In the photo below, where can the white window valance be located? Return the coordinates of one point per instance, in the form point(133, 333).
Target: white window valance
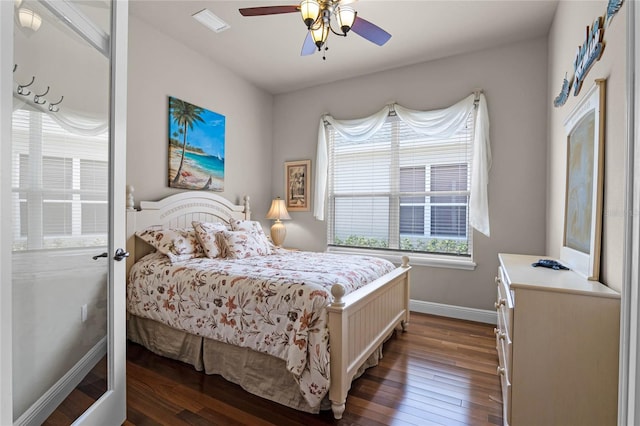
point(443, 123)
point(72, 121)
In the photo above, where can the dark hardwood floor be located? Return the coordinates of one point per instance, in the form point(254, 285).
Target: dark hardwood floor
point(440, 371)
point(92, 387)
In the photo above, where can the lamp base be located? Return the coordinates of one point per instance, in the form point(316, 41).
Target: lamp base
point(278, 232)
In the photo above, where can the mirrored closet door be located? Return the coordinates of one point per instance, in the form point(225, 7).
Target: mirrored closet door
point(67, 340)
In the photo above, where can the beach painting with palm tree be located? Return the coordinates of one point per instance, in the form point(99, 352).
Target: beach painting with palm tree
point(196, 147)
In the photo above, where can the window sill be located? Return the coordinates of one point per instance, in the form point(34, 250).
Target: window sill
point(415, 259)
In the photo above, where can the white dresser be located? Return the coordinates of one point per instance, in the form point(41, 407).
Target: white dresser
point(557, 340)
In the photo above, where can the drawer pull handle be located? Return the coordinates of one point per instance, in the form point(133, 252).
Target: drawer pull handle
point(500, 371)
point(499, 303)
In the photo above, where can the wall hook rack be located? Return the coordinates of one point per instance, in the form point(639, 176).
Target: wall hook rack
point(38, 98)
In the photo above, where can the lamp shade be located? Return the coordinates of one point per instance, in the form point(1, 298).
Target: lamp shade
point(310, 10)
point(29, 19)
point(320, 34)
point(278, 210)
point(346, 17)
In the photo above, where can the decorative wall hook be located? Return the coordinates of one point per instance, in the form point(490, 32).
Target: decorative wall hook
point(38, 98)
point(21, 87)
point(53, 107)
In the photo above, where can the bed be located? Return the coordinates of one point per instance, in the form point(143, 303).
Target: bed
point(303, 353)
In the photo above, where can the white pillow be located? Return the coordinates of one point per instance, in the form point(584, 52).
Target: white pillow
point(245, 225)
point(254, 227)
point(206, 233)
point(177, 243)
point(241, 244)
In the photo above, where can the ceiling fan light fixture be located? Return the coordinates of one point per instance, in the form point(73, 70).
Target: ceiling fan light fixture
point(29, 19)
point(320, 34)
point(310, 11)
point(346, 16)
point(321, 17)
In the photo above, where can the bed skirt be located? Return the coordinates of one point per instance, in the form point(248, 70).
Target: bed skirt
point(257, 373)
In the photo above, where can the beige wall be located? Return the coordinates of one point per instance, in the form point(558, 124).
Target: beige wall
point(568, 32)
point(514, 79)
point(526, 187)
point(160, 67)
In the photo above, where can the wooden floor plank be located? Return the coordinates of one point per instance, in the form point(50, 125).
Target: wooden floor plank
point(441, 371)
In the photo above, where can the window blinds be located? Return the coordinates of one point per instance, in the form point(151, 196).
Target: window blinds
point(400, 190)
point(443, 122)
point(59, 184)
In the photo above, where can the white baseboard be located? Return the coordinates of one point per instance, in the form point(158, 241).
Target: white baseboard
point(451, 311)
point(47, 403)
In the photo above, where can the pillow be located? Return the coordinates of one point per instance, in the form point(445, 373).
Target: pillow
point(242, 244)
point(177, 243)
point(254, 227)
point(246, 225)
point(206, 233)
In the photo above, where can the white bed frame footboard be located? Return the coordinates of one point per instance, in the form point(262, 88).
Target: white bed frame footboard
point(358, 322)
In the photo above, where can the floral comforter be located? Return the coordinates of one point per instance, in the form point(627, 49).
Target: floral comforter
point(273, 304)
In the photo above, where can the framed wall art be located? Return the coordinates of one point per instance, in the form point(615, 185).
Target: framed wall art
point(297, 185)
point(196, 147)
point(583, 198)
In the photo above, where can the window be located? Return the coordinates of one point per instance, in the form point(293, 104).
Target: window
point(449, 212)
point(60, 185)
point(400, 190)
point(412, 209)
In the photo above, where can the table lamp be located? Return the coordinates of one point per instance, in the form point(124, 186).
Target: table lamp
point(278, 212)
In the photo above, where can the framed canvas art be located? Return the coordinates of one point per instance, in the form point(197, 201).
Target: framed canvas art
point(583, 198)
point(297, 183)
point(196, 147)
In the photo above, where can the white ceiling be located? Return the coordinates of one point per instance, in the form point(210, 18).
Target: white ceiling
point(266, 49)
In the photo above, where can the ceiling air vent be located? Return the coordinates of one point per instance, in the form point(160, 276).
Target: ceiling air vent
point(211, 21)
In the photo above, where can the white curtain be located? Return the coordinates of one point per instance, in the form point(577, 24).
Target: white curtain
point(359, 130)
point(443, 123)
point(71, 121)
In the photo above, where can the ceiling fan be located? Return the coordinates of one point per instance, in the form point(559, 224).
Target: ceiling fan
point(317, 16)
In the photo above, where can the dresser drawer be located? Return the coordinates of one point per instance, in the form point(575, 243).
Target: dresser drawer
point(504, 336)
point(506, 398)
point(503, 339)
point(505, 379)
point(504, 304)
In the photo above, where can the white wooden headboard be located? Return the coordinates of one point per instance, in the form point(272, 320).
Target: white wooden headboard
point(177, 211)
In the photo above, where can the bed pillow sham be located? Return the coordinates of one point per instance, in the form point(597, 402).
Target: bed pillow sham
point(207, 236)
point(177, 243)
point(243, 244)
point(253, 227)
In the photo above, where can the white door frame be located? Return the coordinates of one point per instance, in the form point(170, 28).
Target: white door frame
point(111, 408)
point(629, 380)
